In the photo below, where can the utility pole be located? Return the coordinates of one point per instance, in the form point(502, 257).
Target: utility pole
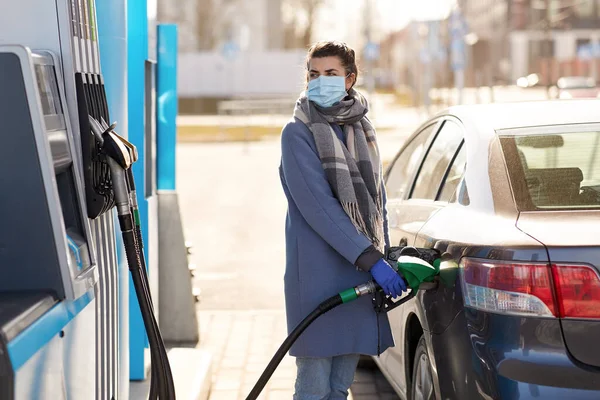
point(493, 50)
point(548, 38)
point(369, 60)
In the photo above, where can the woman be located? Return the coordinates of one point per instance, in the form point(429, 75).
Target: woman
point(336, 226)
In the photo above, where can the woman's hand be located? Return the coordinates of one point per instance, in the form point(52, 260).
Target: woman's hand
point(388, 278)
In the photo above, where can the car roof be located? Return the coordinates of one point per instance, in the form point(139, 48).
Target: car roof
point(499, 116)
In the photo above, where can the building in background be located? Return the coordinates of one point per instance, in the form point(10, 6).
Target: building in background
point(488, 50)
point(505, 40)
point(232, 49)
point(520, 37)
point(546, 36)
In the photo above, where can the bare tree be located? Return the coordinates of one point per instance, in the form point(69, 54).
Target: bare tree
point(290, 34)
point(205, 25)
point(310, 8)
point(301, 22)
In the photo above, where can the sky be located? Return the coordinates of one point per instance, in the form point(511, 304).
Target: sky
point(342, 19)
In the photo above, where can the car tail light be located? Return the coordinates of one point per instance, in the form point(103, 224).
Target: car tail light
point(536, 289)
point(577, 291)
point(508, 287)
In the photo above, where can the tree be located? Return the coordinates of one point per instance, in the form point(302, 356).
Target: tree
point(300, 17)
point(205, 25)
point(310, 7)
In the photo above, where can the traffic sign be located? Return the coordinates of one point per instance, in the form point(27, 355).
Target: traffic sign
point(458, 30)
point(230, 50)
point(371, 51)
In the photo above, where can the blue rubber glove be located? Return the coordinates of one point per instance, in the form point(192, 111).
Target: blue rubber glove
point(390, 281)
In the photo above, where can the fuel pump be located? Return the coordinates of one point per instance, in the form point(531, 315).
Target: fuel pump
point(48, 270)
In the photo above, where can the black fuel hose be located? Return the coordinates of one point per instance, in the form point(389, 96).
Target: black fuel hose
point(162, 387)
point(134, 263)
point(157, 380)
point(161, 368)
point(328, 305)
point(325, 306)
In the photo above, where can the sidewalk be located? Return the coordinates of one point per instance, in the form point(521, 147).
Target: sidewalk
point(242, 344)
point(239, 251)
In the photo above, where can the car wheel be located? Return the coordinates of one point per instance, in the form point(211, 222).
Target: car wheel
point(422, 379)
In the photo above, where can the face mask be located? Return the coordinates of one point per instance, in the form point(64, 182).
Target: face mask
point(327, 90)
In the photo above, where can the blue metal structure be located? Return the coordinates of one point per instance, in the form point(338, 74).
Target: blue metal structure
point(137, 53)
point(167, 106)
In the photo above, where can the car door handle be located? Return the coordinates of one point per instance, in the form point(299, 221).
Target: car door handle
point(403, 242)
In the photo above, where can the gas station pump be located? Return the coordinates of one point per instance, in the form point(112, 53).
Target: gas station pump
point(63, 175)
point(47, 266)
point(48, 274)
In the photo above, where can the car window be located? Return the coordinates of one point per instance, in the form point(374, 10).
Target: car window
point(401, 172)
point(437, 160)
point(454, 175)
point(554, 171)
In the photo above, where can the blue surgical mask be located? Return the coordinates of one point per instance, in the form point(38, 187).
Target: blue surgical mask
point(327, 90)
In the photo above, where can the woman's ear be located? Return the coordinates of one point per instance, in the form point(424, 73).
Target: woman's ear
point(350, 81)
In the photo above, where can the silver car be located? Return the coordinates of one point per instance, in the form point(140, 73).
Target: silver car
point(512, 193)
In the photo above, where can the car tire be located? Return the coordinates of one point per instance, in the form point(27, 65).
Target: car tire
point(422, 387)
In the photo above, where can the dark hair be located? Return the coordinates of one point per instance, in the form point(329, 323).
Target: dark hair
point(334, 49)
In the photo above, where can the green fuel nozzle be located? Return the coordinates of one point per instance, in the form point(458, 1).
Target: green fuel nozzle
point(416, 271)
point(419, 271)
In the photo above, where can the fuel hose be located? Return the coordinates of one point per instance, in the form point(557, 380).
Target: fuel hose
point(343, 297)
point(162, 381)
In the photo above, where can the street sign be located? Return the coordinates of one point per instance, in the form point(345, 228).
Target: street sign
point(458, 30)
point(458, 25)
point(230, 50)
point(457, 54)
point(371, 51)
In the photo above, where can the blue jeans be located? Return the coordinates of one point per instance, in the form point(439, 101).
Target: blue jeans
point(325, 378)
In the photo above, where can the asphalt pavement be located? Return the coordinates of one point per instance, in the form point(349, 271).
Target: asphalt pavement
point(233, 210)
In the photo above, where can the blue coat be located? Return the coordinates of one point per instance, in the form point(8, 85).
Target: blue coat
point(322, 246)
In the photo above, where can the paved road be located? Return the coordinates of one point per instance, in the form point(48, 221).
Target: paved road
point(233, 210)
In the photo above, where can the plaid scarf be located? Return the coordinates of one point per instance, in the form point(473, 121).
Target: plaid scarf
point(354, 170)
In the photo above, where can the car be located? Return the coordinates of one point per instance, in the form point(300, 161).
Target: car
point(574, 87)
point(510, 194)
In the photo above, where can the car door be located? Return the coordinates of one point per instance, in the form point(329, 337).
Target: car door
point(399, 182)
point(412, 201)
point(420, 202)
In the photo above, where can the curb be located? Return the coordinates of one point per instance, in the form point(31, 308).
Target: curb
point(192, 375)
point(221, 134)
point(215, 133)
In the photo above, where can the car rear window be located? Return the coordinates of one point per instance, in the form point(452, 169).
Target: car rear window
point(554, 171)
